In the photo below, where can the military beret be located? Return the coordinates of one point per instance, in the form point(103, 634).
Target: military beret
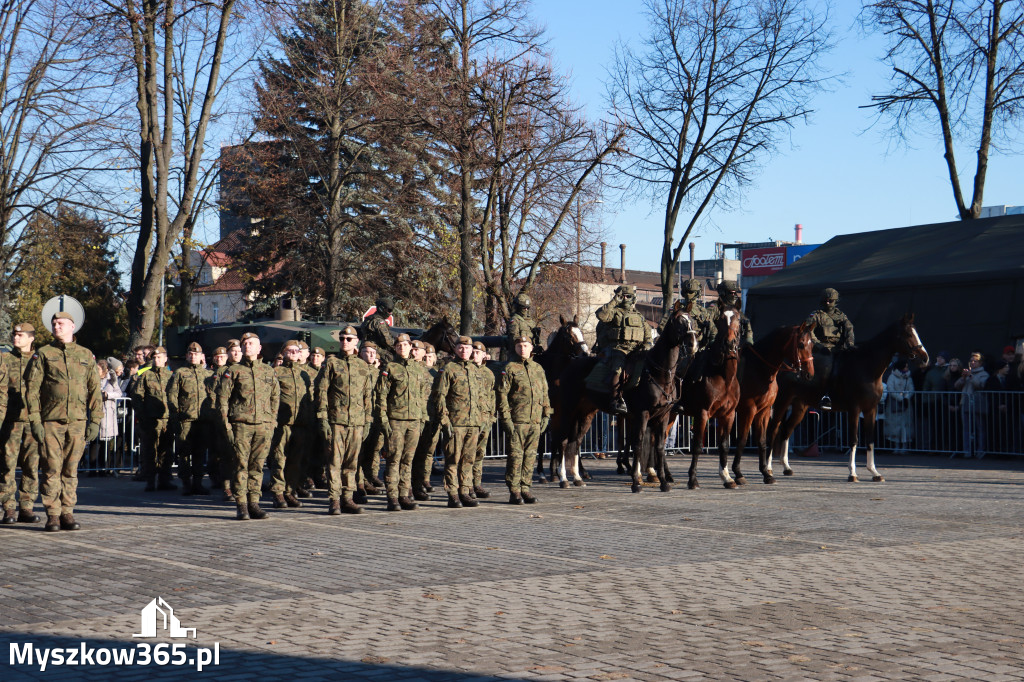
point(234, 343)
point(527, 339)
point(317, 350)
point(159, 350)
point(195, 348)
point(465, 340)
point(369, 344)
point(402, 337)
point(24, 328)
point(292, 344)
point(250, 335)
point(302, 345)
point(220, 350)
point(418, 344)
point(429, 347)
point(349, 331)
point(479, 345)
point(62, 315)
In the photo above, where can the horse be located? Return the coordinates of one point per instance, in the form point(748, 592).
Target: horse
point(442, 336)
point(714, 396)
point(855, 387)
point(579, 404)
point(784, 348)
point(564, 345)
point(652, 401)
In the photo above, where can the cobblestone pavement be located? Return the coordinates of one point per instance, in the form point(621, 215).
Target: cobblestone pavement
point(813, 578)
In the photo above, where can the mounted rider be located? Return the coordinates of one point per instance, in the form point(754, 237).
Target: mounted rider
point(729, 297)
point(375, 328)
point(626, 332)
point(691, 293)
point(833, 331)
point(520, 324)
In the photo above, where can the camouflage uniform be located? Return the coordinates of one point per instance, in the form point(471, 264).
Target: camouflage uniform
point(375, 328)
point(458, 413)
point(20, 446)
point(488, 413)
point(247, 398)
point(524, 410)
point(344, 393)
point(149, 399)
point(373, 443)
point(423, 461)
point(222, 452)
point(520, 324)
point(833, 331)
point(627, 331)
point(186, 393)
point(63, 389)
point(294, 428)
point(402, 405)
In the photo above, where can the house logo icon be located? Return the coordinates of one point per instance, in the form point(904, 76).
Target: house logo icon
point(151, 618)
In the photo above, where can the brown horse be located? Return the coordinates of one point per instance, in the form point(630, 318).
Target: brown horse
point(784, 348)
point(714, 396)
point(442, 336)
point(855, 387)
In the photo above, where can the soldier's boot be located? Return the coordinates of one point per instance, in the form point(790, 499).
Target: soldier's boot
point(360, 496)
point(467, 501)
point(10, 517)
point(527, 497)
point(616, 404)
point(26, 516)
point(406, 504)
point(480, 492)
point(243, 512)
point(291, 500)
point(350, 507)
point(334, 508)
point(370, 489)
point(393, 504)
point(67, 522)
point(375, 480)
point(198, 488)
point(255, 512)
point(426, 486)
point(150, 486)
point(52, 523)
point(228, 496)
point(515, 498)
point(453, 502)
point(420, 495)
point(303, 493)
point(279, 501)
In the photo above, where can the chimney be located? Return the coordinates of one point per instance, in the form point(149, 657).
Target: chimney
point(622, 264)
point(604, 245)
point(799, 233)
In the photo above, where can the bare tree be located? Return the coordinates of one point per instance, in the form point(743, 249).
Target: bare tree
point(957, 65)
point(179, 55)
point(53, 106)
point(543, 163)
point(707, 97)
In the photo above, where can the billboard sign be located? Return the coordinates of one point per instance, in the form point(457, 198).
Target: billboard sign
point(795, 253)
point(758, 262)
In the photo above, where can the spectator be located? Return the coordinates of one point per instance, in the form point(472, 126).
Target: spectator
point(953, 436)
point(932, 386)
point(973, 405)
point(899, 417)
point(101, 449)
point(1001, 424)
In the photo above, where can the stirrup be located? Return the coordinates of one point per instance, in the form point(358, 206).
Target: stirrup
point(826, 403)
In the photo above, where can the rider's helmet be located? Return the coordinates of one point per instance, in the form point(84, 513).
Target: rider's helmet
point(728, 292)
point(385, 305)
point(691, 289)
point(829, 298)
point(523, 302)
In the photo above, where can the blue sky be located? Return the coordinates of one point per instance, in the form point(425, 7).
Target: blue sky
point(839, 176)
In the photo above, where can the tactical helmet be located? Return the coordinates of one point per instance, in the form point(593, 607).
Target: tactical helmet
point(692, 288)
point(385, 304)
point(829, 294)
point(523, 302)
point(728, 291)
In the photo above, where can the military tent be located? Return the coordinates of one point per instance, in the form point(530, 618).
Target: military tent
point(963, 280)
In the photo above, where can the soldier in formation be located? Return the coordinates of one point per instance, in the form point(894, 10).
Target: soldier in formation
point(832, 332)
point(344, 392)
point(488, 415)
point(401, 399)
point(186, 394)
point(524, 411)
point(458, 415)
point(149, 398)
point(64, 405)
point(423, 461)
point(21, 449)
point(294, 424)
point(520, 324)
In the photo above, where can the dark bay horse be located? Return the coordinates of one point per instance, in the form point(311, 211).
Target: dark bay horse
point(652, 401)
point(564, 345)
point(855, 387)
point(786, 348)
point(714, 396)
point(442, 336)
